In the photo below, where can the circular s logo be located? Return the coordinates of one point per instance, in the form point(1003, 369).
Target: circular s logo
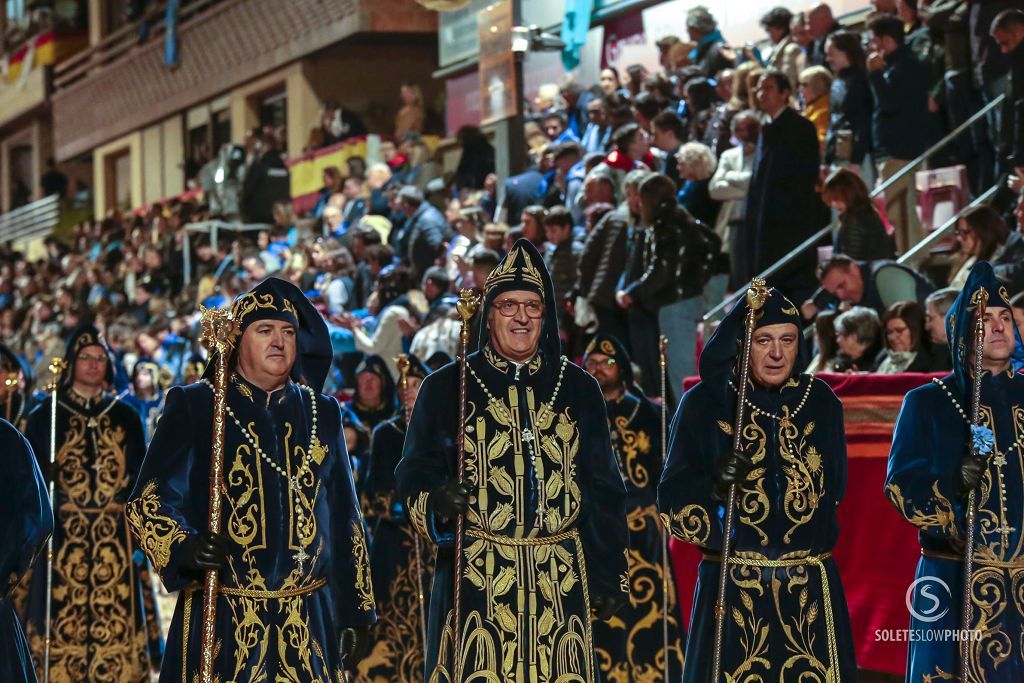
point(932, 606)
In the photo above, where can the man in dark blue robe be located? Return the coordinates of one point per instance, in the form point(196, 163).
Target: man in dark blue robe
point(372, 404)
point(632, 646)
point(545, 509)
point(786, 617)
point(26, 521)
point(400, 558)
point(932, 469)
point(295, 588)
point(98, 624)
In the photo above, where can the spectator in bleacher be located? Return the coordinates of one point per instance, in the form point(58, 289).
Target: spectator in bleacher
point(862, 235)
point(1017, 304)
point(1008, 262)
point(782, 53)
point(391, 307)
point(899, 121)
point(874, 285)
point(991, 71)
point(412, 116)
point(826, 344)
point(601, 265)
point(700, 98)
point(936, 306)
point(928, 48)
point(668, 136)
point(561, 256)
point(731, 180)
point(848, 140)
point(904, 340)
point(609, 81)
point(598, 131)
point(477, 160)
point(332, 185)
point(801, 34)
point(631, 151)
point(696, 164)
point(711, 54)
point(980, 233)
point(1008, 32)
point(783, 206)
point(815, 83)
point(426, 231)
point(858, 333)
point(820, 24)
point(555, 125)
point(53, 182)
point(951, 20)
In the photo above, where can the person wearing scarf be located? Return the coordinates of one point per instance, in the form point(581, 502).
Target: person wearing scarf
point(786, 617)
point(937, 458)
point(98, 623)
point(546, 537)
point(295, 598)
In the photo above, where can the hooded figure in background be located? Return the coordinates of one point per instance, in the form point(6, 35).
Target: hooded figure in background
point(99, 450)
point(295, 595)
point(26, 521)
point(785, 608)
point(933, 468)
point(544, 504)
point(374, 400)
point(632, 646)
point(400, 575)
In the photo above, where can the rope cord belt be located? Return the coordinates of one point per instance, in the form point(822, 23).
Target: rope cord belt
point(1015, 563)
point(272, 595)
point(816, 561)
point(509, 540)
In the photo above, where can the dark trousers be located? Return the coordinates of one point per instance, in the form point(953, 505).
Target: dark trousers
point(643, 336)
point(974, 147)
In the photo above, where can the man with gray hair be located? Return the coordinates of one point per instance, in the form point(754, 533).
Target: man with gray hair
point(936, 305)
point(711, 54)
point(731, 181)
point(425, 231)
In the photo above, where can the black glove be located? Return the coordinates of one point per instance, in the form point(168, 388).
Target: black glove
point(206, 551)
point(450, 499)
point(971, 469)
point(605, 606)
point(355, 645)
point(732, 469)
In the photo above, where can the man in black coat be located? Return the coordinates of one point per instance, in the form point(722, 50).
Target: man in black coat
point(520, 192)
point(783, 207)
point(899, 123)
point(1008, 32)
point(426, 230)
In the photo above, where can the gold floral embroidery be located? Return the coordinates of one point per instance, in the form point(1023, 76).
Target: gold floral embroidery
point(942, 516)
point(363, 586)
point(691, 524)
point(418, 513)
point(155, 532)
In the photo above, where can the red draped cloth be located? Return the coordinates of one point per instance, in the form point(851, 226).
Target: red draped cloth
point(877, 552)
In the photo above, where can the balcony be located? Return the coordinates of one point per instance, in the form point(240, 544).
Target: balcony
point(25, 81)
point(120, 85)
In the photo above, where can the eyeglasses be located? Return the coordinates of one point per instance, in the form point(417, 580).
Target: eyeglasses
point(593, 364)
point(961, 232)
point(509, 307)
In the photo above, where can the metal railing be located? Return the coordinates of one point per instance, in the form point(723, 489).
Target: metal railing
point(938, 233)
point(33, 220)
point(814, 239)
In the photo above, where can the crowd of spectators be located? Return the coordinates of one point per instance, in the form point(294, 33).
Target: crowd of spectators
point(652, 196)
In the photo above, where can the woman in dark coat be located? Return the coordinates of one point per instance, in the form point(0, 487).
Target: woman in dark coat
point(862, 235)
point(850, 102)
